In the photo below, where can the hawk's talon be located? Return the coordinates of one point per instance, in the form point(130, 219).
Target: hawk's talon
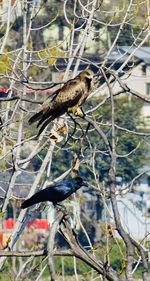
point(79, 112)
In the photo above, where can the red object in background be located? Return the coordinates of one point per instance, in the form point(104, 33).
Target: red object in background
point(3, 90)
point(6, 91)
point(1, 238)
point(8, 224)
point(38, 224)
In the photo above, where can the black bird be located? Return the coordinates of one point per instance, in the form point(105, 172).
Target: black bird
point(56, 193)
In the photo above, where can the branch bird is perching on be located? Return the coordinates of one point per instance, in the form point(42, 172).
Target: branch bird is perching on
point(66, 99)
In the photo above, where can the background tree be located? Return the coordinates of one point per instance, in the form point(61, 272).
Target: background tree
point(40, 47)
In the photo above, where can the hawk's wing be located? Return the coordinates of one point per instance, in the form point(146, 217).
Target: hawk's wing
point(70, 94)
point(67, 97)
point(45, 107)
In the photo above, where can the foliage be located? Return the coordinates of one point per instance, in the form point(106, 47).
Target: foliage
point(30, 54)
point(127, 115)
point(50, 54)
point(126, 37)
point(116, 256)
point(131, 148)
point(4, 63)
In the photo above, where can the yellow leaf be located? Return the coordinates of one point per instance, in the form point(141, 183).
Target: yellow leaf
point(30, 46)
point(75, 164)
point(2, 214)
point(55, 53)
point(4, 63)
point(42, 54)
point(63, 130)
point(123, 267)
point(51, 54)
point(51, 61)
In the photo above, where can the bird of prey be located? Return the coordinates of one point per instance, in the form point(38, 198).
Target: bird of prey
point(66, 99)
point(56, 193)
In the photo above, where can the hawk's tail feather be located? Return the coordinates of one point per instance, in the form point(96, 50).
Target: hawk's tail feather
point(46, 115)
point(51, 118)
point(35, 117)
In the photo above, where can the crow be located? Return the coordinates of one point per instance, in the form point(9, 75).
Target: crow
point(55, 193)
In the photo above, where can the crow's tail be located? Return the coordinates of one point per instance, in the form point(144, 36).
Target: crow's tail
point(31, 201)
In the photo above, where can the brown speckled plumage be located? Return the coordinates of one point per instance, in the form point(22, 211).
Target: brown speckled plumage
point(73, 94)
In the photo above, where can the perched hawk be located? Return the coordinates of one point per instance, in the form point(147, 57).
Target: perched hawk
point(66, 99)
